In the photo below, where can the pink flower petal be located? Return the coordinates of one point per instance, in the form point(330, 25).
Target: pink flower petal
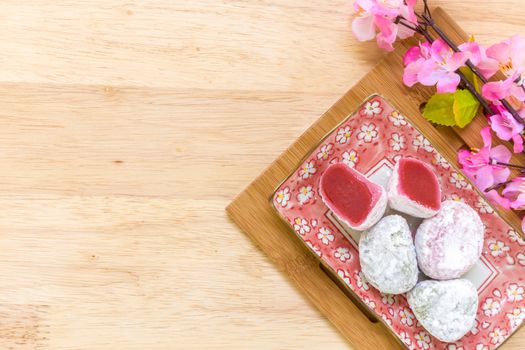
point(465, 159)
point(448, 83)
point(494, 90)
point(501, 154)
point(500, 52)
point(387, 33)
point(510, 51)
point(518, 143)
point(387, 11)
point(514, 192)
point(514, 188)
point(484, 178)
point(517, 91)
point(410, 75)
point(500, 175)
point(364, 28)
point(478, 56)
point(440, 49)
point(430, 74)
point(498, 90)
point(486, 136)
point(504, 125)
point(474, 49)
point(518, 52)
point(425, 49)
point(364, 5)
point(408, 13)
point(404, 32)
point(488, 67)
point(494, 197)
point(412, 55)
point(457, 60)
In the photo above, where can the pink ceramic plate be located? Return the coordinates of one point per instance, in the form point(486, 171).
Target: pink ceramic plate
point(371, 140)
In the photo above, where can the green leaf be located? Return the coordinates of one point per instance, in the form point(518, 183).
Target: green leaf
point(473, 78)
point(440, 109)
point(465, 107)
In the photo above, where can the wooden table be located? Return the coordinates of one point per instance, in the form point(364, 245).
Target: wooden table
point(127, 127)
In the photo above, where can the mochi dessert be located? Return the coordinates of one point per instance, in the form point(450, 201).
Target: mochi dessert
point(449, 243)
point(353, 198)
point(447, 309)
point(414, 189)
point(388, 257)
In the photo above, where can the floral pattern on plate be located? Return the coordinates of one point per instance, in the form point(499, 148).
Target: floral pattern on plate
point(371, 140)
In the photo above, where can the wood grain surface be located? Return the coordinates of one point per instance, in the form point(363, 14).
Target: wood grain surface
point(126, 127)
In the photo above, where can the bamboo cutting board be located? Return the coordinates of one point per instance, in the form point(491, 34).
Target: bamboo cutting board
point(252, 211)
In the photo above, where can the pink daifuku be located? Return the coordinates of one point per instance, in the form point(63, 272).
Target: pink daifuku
point(450, 243)
point(414, 189)
point(354, 199)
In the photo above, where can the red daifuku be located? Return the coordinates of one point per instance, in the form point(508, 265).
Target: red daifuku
point(414, 189)
point(354, 199)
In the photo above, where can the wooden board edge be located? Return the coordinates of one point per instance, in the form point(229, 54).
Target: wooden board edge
point(300, 267)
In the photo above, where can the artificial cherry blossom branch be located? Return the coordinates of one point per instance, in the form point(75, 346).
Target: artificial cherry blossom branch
point(467, 83)
point(515, 166)
point(438, 62)
point(428, 20)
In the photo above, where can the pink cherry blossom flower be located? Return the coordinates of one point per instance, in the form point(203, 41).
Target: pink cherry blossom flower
point(380, 15)
point(507, 128)
point(515, 192)
point(417, 52)
point(482, 167)
point(498, 90)
point(510, 55)
point(478, 56)
point(486, 160)
point(413, 60)
point(387, 33)
point(441, 67)
point(363, 25)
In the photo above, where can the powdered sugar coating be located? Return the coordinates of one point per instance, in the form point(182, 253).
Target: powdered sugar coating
point(404, 204)
point(388, 257)
point(447, 309)
point(450, 243)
